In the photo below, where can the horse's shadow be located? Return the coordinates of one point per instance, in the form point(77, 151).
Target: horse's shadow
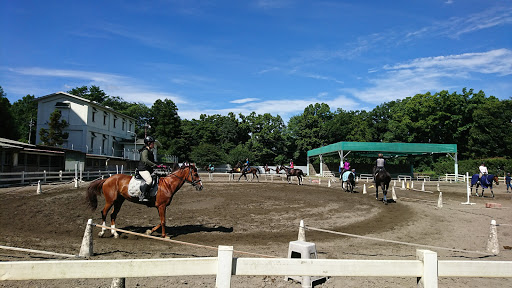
point(176, 231)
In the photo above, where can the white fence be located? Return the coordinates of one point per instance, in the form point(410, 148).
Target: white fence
point(427, 268)
point(27, 178)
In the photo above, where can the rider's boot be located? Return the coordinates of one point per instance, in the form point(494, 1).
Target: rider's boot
point(144, 193)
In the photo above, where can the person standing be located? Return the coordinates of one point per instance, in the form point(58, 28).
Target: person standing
point(146, 166)
point(507, 182)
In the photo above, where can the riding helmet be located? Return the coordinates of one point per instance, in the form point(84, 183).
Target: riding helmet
point(148, 140)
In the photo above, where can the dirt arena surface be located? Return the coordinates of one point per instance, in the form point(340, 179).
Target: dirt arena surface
point(261, 217)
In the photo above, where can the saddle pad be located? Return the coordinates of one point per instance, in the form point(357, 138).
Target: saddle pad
point(345, 176)
point(134, 188)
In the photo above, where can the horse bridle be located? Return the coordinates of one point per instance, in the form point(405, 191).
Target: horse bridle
point(194, 183)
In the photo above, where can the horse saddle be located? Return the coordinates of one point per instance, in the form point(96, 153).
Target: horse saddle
point(138, 184)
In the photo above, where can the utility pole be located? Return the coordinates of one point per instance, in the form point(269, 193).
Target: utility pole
point(30, 124)
point(146, 125)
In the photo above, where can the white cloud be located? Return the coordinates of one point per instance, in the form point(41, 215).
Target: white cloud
point(245, 100)
point(432, 73)
point(114, 85)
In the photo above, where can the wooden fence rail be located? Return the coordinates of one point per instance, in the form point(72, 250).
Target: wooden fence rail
point(427, 268)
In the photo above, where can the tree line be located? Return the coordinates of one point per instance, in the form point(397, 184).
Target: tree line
point(480, 125)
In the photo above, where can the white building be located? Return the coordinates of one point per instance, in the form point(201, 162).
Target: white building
point(93, 128)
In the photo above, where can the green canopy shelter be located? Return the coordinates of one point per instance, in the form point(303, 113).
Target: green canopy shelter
point(372, 149)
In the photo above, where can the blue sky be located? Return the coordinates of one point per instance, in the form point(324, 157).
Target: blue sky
point(276, 57)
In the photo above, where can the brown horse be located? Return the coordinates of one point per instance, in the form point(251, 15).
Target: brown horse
point(293, 172)
point(247, 170)
point(115, 191)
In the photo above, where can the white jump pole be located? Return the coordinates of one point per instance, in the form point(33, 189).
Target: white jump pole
point(468, 193)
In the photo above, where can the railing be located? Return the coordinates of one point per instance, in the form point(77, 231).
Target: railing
point(452, 177)
point(404, 177)
point(427, 268)
point(27, 178)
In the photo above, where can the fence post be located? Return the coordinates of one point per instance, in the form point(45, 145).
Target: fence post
point(60, 175)
point(224, 267)
point(429, 259)
point(44, 176)
point(22, 177)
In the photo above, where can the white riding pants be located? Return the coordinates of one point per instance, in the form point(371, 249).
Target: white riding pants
point(147, 176)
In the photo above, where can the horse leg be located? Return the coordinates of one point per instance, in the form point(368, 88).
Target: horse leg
point(492, 192)
point(113, 216)
point(376, 191)
point(385, 192)
point(161, 213)
point(104, 213)
point(257, 178)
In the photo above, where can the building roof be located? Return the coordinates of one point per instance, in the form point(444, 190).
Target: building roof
point(92, 103)
point(371, 149)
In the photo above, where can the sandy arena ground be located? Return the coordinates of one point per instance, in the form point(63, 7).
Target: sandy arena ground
point(261, 217)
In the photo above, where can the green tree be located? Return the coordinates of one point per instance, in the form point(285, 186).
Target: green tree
point(54, 135)
point(165, 123)
point(205, 153)
point(310, 129)
point(7, 125)
point(24, 112)
point(238, 154)
point(94, 93)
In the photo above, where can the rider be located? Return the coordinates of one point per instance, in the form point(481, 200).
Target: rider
point(379, 165)
point(146, 166)
point(246, 164)
point(346, 167)
point(483, 171)
point(507, 181)
point(211, 167)
point(291, 164)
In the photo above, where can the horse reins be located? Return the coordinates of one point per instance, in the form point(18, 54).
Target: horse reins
point(194, 183)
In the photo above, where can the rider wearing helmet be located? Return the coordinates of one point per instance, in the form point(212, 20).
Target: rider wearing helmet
point(483, 171)
point(379, 165)
point(146, 166)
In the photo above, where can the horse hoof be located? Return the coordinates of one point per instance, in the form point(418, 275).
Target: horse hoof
point(101, 234)
point(148, 232)
point(116, 236)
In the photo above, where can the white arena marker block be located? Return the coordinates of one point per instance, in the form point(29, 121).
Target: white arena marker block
point(423, 186)
point(329, 184)
point(440, 200)
point(364, 189)
point(118, 283)
point(412, 184)
point(403, 185)
point(438, 189)
point(492, 243)
point(393, 193)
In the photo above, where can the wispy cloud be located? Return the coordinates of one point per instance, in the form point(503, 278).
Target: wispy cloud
point(426, 74)
point(457, 26)
point(245, 100)
point(112, 84)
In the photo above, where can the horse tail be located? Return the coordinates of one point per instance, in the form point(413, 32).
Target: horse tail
point(95, 189)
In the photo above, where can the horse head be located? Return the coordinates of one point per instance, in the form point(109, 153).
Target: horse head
point(496, 179)
point(190, 175)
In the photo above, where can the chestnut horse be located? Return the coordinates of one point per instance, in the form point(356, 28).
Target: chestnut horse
point(115, 191)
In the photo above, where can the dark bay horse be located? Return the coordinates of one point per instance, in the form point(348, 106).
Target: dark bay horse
point(247, 170)
point(349, 179)
point(115, 191)
point(292, 172)
point(485, 182)
point(382, 179)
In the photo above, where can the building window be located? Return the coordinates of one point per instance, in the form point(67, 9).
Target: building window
point(115, 120)
point(105, 119)
point(94, 111)
point(122, 127)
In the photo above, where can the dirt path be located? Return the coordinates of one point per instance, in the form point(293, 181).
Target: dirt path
point(260, 217)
